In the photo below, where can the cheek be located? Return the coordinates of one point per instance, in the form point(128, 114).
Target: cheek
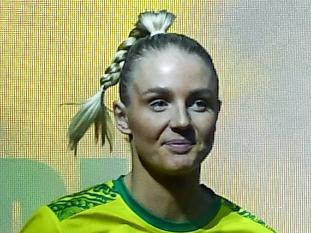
point(205, 126)
point(146, 126)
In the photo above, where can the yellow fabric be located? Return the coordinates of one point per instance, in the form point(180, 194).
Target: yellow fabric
point(114, 215)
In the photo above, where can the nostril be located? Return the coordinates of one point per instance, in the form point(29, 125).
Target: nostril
point(180, 123)
point(187, 132)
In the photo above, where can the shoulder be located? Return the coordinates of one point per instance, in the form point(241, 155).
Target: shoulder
point(42, 218)
point(72, 204)
point(238, 212)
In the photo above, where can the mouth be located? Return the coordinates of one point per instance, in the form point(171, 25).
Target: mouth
point(179, 146)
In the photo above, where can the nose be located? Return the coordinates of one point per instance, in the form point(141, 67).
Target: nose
point(180, 118)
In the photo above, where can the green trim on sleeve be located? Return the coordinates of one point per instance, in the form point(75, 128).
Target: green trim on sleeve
point(234, 207)
point(161, 223)
point(70, 205)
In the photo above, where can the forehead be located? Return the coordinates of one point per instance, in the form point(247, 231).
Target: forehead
point(173, 69)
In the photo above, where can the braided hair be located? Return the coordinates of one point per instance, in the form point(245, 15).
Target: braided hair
point(94, 111)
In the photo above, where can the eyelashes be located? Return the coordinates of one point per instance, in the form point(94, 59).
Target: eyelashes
point(158, 105)
point(198, 105)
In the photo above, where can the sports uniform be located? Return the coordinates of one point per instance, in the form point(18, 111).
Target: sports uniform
point(109, 207)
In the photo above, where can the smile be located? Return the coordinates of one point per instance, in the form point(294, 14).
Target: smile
point(179, 146)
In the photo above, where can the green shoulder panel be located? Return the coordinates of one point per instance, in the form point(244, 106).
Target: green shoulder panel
point(234, 207)
point(69, 205)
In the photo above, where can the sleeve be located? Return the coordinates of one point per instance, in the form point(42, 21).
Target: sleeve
point(43, 221)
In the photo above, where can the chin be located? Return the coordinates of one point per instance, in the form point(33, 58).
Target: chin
point(180, 172)
point(181, 167)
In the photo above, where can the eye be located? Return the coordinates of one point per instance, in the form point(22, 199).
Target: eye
point(200, 105)
point(158, 105)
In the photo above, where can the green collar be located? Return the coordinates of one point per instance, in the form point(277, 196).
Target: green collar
point(163, 223)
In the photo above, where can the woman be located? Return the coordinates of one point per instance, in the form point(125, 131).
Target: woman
point(168, 108)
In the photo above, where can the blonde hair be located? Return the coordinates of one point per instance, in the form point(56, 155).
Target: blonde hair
point(94, 111)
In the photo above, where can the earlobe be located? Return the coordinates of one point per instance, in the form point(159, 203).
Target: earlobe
point(121, 119)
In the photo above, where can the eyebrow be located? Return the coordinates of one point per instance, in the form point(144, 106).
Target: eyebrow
point(157, 90)
point(166, 91)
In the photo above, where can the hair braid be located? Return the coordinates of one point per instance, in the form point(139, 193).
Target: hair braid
point(94, 109)
point(112, 73)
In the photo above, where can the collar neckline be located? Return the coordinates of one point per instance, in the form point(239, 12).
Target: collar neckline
point(162, 223)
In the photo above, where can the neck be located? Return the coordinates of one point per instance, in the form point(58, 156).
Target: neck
point(174, 197)
point(178, 187)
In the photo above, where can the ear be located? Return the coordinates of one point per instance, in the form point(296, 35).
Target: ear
point(219, 106)
point(120, 117)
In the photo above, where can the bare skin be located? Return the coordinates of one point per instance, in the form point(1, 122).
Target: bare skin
point(171, 118)
point(176, 199)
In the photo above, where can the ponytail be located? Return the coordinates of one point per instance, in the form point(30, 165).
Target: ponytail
point(94, 111)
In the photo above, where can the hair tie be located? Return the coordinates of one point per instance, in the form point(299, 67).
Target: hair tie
point(156, 22)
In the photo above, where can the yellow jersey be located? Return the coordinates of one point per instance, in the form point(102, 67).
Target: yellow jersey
point(109, 207)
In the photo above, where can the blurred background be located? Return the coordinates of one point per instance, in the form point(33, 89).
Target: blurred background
point(54, 52)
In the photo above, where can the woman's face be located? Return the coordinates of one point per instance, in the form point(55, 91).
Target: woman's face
point(172, 112)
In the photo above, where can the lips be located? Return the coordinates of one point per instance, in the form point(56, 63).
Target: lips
point(179, 146)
